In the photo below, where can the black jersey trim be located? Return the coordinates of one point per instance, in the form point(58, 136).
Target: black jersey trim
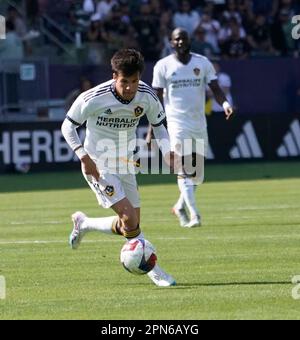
point(121, 100)
point(150, 89)
point(149, 92)
point(96, 93)
point(73, 121)
point(159, 124)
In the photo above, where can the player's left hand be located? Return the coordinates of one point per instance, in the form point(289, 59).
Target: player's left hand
point(228, 110)
point(228, 113)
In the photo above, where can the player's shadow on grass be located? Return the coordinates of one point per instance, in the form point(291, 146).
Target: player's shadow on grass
point(218, 284)
point(224, 284)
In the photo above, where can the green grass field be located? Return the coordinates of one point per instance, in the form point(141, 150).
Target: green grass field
point(239, 265)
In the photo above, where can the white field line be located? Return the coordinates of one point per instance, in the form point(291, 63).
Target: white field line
point(267, 207)
point(162, 220)
point(255, 217)
point(85, 241)
point(35, 222)
point(208, 238)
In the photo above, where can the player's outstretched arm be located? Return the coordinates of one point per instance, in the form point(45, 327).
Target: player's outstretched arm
point(221, 98)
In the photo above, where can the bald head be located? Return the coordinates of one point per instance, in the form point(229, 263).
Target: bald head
point(180, 41)
point(179, 31)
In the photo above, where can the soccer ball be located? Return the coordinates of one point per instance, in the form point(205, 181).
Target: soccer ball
point(138, 256)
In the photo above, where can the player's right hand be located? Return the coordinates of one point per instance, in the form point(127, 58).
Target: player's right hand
point(149, 136)
point(89, 167)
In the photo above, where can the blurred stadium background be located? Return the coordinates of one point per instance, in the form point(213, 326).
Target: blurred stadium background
point(241, 263)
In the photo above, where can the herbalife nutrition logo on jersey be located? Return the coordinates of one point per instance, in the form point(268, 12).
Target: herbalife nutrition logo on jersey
point(296, 29)
point(2, 27)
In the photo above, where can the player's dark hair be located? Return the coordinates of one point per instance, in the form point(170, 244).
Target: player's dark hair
point(128, 62)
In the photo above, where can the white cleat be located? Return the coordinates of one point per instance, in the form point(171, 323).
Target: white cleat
point(195, 222)
point(76, 234)
point(181, 215)
point(161, 278)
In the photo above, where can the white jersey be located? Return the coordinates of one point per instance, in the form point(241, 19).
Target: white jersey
point(185, 87)
point(111, 121)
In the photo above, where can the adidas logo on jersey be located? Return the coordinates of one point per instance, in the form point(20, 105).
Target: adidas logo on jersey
point(290, 146)
point(108, 112)
point(247, 145)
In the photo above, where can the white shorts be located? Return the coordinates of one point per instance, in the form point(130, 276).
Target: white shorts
point(198, 141)
point(111, 189)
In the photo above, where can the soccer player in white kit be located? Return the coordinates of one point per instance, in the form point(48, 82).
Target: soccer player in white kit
point(112, 111)
point(184, 76)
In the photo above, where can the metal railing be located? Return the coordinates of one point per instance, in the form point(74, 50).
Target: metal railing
point(46, 25)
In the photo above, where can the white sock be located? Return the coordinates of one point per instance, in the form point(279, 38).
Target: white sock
point(180, 203)
point(104, 224)
point(140, 236)
point(186, 188)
